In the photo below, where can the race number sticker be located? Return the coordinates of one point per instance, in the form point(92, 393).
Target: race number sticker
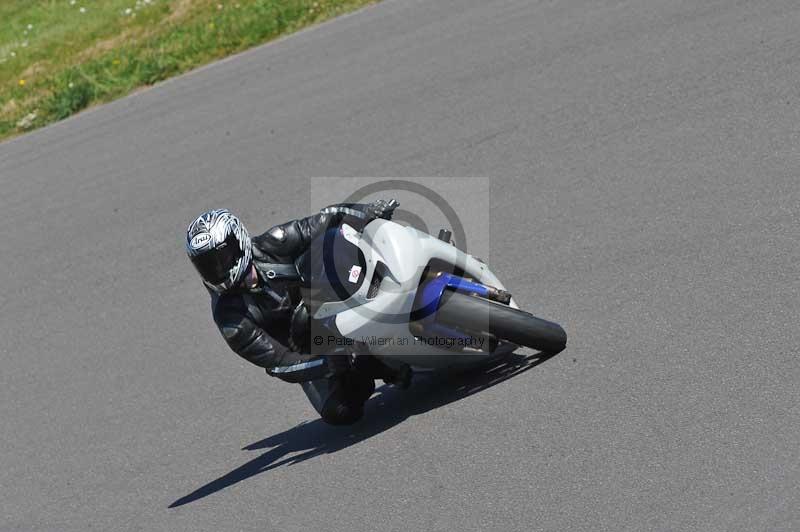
point(355, 273)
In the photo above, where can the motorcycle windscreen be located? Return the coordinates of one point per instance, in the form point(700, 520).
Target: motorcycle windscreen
point(333, 269)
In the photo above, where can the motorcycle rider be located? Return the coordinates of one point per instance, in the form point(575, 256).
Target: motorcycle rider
point(256, 304)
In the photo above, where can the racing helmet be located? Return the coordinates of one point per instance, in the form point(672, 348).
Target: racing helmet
point(220, 248)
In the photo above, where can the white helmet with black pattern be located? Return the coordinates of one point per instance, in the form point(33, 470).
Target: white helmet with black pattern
point(220, 248)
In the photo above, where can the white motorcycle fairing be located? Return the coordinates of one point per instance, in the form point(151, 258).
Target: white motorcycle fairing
point(378, 314)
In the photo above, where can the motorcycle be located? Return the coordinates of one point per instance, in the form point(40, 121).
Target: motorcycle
point(409, 298)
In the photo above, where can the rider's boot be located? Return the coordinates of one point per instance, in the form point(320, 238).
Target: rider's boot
point(359, 387)
point(401, 378)
point(378, 370)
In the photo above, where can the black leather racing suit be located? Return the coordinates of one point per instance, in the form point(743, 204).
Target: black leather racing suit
point(256, 323)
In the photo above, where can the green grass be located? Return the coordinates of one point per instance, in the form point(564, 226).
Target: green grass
point(58, 57)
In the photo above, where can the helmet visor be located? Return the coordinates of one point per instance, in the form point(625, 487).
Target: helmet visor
point(216, 264)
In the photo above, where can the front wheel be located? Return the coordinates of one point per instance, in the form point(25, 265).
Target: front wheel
point(471, 313)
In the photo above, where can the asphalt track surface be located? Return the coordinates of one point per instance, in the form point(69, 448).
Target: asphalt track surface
point(644, 162)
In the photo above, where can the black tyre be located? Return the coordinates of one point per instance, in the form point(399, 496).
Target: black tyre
point(475, 314)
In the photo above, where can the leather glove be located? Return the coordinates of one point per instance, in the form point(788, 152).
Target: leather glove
point(382, 209)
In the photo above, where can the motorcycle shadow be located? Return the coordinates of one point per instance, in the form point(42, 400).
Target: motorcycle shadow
point(386, 409)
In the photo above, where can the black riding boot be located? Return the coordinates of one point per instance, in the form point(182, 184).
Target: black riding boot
point(376, 369)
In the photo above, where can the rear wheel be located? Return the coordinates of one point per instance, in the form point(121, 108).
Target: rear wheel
point(475, 314)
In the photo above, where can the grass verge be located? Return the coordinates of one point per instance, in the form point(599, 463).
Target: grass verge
point(60, 56)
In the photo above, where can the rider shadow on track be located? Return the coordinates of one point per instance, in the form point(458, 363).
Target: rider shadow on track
point(384, 410)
